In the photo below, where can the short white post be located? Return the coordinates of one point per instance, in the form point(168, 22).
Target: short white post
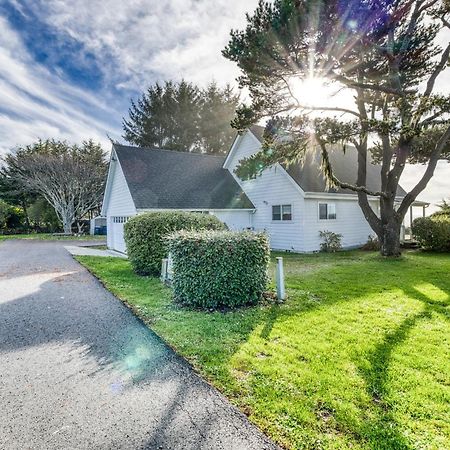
point(280, 279)
point(164, 270)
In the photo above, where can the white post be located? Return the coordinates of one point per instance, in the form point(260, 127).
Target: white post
point(164, 270)
point(280, 279)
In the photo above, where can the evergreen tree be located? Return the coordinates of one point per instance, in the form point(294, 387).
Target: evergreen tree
point(183, 117)
point(218, 108)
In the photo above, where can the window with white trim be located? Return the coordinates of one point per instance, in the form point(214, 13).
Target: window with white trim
point(282, 212)
point(327, 211)
point(120, 219)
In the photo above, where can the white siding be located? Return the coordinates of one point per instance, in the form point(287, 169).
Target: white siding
point(119, 203)
point(272, 187)
point(235, 220)
point(349, 222)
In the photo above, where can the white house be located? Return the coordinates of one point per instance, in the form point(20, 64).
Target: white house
point(292, 204)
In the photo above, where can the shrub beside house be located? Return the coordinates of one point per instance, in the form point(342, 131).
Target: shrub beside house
point(144, 236)
point(433, 232)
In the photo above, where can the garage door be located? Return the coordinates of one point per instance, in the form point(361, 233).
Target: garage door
point(116, 230)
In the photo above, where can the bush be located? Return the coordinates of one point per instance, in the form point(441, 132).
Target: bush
point(372, 244)
point(433, 233)
point(216, 269)
point(144, 236)
point(331, 241)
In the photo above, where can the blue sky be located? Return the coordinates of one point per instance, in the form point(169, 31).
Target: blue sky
point(68, 69)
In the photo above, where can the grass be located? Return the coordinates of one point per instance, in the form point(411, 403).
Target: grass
point(50, 237)
point(357, 357)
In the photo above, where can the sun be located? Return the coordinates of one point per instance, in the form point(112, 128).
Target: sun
point(311, 91)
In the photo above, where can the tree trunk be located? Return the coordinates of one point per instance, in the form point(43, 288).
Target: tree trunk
point(67, 225)
point(27, 219)
point(390, 239)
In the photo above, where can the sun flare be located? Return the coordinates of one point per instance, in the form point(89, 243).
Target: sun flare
point(311, 91)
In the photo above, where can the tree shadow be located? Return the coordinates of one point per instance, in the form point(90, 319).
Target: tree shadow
point(384, 431)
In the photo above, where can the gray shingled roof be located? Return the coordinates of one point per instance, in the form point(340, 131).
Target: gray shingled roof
point(309, 175)
point(179, 180)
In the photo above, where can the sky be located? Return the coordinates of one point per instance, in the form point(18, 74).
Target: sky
point(69, 69)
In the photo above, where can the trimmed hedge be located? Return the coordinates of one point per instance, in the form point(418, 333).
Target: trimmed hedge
point(432, 233)
point(216, 269)
point(144, 236)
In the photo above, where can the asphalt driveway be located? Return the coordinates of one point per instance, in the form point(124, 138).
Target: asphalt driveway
point(79, 371)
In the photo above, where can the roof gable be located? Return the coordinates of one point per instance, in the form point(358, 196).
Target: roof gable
point(166, 179)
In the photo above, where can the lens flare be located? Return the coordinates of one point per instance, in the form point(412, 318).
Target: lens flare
point(311, 91)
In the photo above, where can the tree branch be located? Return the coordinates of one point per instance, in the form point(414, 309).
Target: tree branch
point(328, 169)
point(421, 185)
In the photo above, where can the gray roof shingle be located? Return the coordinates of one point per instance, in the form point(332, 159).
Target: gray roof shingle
point(167, 179)
point(309, 176)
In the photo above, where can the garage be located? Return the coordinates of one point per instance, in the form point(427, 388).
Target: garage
point(116, 235)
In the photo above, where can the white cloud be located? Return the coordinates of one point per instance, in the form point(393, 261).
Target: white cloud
point(36, 104)
point(140, 41)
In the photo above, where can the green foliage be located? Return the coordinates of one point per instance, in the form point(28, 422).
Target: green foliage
point(331, 241)
point(4, 213)
point(11, 217)
point(216, 269)
point(444, 209)
point(183, 117)
point(43, 217)
point(433, 233)
point(144, 236)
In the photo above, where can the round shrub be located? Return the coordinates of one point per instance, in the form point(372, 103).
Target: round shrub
point(144, 236)
point(217, 269)
point(432, 233)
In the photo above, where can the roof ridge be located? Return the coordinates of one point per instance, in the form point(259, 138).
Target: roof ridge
point(168, 150)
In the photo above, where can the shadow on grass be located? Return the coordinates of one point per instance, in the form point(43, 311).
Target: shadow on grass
point(383, 430)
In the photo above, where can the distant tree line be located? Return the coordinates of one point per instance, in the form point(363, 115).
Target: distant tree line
point(184, 117)
point(51, 185)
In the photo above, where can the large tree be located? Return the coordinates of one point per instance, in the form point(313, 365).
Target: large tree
point(70, 177)
point(386, 53)
point(182, 116)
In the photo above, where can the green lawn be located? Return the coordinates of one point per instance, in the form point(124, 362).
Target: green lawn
point(50, 237)
point(357, 357)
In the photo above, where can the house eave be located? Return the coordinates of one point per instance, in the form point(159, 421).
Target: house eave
point(141, 210)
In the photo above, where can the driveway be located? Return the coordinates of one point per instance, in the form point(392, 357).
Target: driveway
point(79, 371)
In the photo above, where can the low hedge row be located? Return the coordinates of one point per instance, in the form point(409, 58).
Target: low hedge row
point(144, 236)
point(432, 233)
point(216, 269)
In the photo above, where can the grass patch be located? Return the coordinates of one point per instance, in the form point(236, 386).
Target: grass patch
point(50, 237)
point(357, 357)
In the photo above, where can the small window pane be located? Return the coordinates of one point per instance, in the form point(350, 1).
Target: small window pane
point(287, 212)
point(322, 211)
point(332, 211)
point(276, 212)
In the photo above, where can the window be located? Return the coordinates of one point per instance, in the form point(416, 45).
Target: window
point(120, 219)
point(327, 211)
point(282, 212)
